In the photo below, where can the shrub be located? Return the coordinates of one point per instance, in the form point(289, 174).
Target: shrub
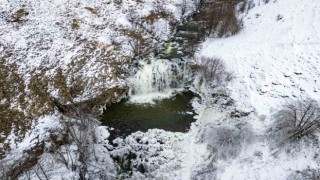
point(154, 16)
point(19, 15)
point(92, 10)
point(226, 140)
point(139, 42)
point(75, 24)
point(296, 120)
point(212, 70)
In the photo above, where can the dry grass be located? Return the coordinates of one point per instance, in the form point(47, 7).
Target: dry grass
point(12, 95)
point(75, 24)
point(92, 10)
point(154, 16)
point(18, 15)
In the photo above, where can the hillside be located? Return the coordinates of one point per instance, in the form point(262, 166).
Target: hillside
point(57, 53)
point(62, 62)
point(274, 60)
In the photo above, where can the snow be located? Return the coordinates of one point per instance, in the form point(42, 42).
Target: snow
point(273, 60)
point(258, 163)
point(45, 39)
point(197, 152)
point(99, 163)
point(40, 131)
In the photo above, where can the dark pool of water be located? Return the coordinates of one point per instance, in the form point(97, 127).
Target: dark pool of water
point(174, 114)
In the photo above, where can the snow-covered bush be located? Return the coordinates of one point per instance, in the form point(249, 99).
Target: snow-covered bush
point(226, 141)
point(295, 121)
point(212, 70)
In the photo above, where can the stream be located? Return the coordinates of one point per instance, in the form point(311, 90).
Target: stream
point(158, 95)
point(159, 98)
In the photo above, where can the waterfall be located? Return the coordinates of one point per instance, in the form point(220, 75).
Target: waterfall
point(158, 78)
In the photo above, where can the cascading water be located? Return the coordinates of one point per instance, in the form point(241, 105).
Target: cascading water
point(158, 78)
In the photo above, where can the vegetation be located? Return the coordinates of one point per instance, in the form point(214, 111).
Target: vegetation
point(11, 94)
point(212, 70)
point(297, 120)
point(22, 101)
point(211, 18)
point(154, 16)
point(139, 43)
point(226, 141)
point(42, 101)
point(219, 18)
point(19, 15)
point(75, 24)
point(92, 10)
point(117, 1)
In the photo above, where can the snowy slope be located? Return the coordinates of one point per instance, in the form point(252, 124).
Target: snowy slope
point(86, 39)
point(274, 58)
point(73, 47)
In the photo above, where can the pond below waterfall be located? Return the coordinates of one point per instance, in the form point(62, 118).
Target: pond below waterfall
point(173, 114)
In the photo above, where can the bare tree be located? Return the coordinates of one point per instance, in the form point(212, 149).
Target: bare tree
point(80, 133)
point(43, 172)
point(64, 155)
point(28, 175)
point(138, 41)
point(212, 69)
point(226, 140)
point(219, 17)
point(297, 120)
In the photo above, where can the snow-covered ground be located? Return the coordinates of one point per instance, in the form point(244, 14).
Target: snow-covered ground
point(88, 40)
point(274, 58)
point(72, 47)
